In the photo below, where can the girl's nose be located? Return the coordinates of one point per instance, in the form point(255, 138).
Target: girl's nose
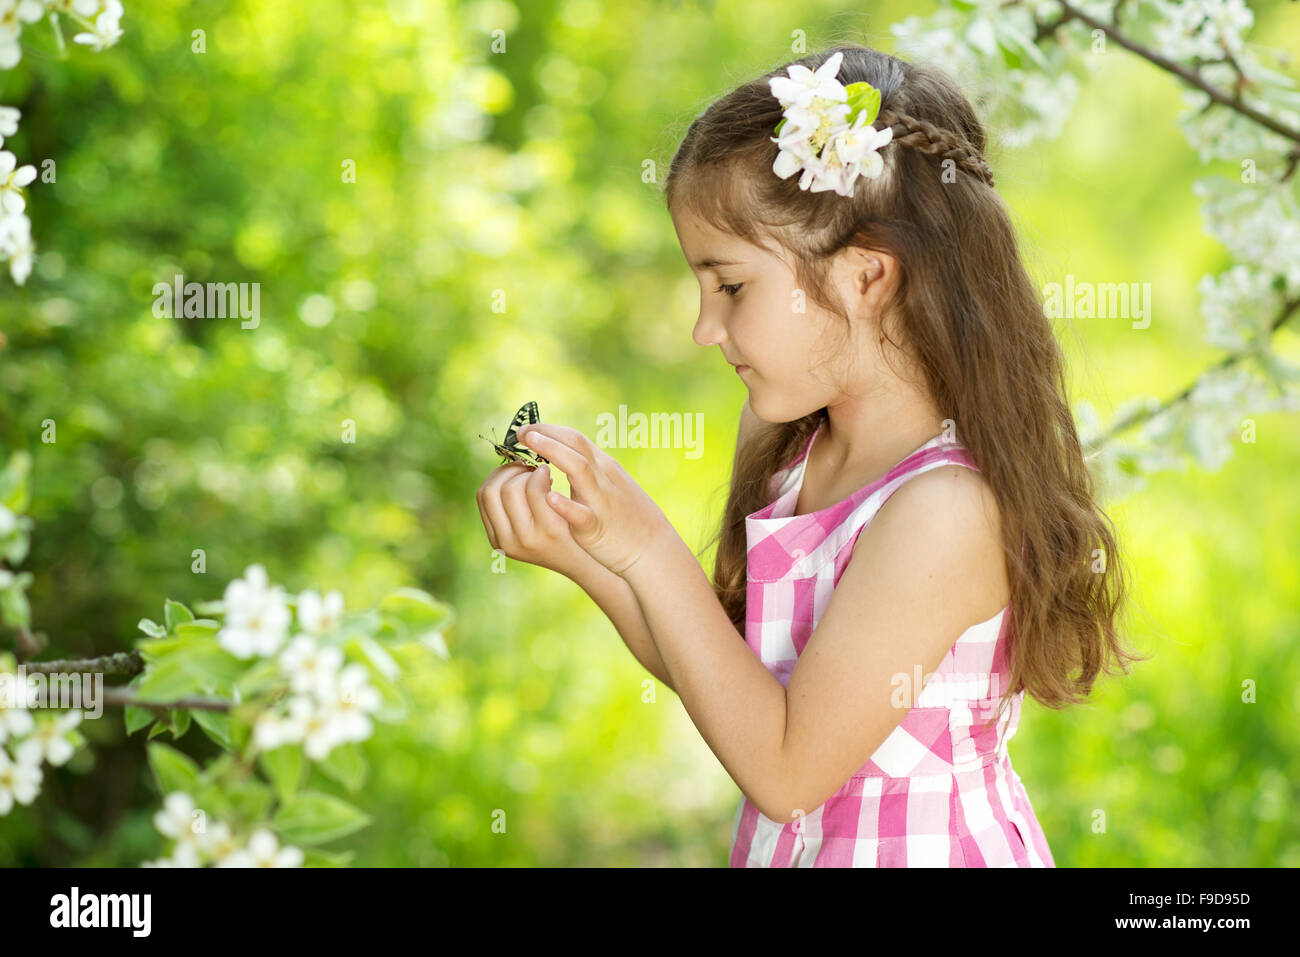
point(708, 330)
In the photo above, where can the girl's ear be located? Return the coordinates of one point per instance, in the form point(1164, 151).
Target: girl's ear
point(873, 276)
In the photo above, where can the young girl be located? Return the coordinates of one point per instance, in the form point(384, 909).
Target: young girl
point(907, 471)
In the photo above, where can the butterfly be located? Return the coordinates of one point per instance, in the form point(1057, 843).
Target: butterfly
point(510, 449)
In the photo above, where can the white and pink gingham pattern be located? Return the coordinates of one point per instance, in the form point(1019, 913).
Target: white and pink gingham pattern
point(940, 791)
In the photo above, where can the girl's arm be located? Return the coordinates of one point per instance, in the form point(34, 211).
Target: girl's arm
point(615, 598)
point(520, 524)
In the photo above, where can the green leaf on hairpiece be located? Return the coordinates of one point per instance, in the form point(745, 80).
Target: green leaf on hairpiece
point(779, 125)
point(862, 96)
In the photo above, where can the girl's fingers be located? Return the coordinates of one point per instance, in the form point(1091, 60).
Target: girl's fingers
point(487, 523)
point(515, 503)
point(492, 504)
point(538, 484)
point(571, 437)
point(552, 442)
point(578, 516)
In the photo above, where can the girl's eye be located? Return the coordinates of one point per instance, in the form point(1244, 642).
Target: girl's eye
point(730, 289)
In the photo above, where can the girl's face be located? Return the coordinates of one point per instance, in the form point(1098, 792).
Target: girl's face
point(752, 308)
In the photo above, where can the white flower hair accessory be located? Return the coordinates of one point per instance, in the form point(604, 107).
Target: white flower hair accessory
point(826, 130)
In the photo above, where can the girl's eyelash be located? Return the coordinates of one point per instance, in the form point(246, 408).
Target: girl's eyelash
point(729, 287)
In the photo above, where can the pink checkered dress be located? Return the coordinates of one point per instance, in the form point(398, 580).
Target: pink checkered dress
point(939, 792)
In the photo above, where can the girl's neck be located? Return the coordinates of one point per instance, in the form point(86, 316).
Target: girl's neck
point(867, 436)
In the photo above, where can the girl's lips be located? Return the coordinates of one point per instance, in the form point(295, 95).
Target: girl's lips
point(742, 369)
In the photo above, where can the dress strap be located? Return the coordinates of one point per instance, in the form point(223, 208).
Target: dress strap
point(839, 525)
point(782, 475)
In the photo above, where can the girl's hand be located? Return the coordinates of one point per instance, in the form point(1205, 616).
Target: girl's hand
point(609, 515)
point(519, 522)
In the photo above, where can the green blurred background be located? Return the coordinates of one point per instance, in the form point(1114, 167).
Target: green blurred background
point(521, 171)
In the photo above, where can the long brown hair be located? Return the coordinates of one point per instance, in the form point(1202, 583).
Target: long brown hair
point(967, 314)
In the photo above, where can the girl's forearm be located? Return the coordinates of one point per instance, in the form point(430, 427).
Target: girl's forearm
point(615, 598)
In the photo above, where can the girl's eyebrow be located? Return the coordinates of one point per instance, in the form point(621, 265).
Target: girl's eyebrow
point(710, 263)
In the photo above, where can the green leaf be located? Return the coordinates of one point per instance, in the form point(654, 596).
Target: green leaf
point(156, 649)
point(347, 765)
point(313, 817)
point(240, 727)
point(1012, 36)
point(215, 725)
point(174, 613)
point(179, 667)
point(152, 628)
point(15, 483)
point(376, 655)
point(172, 770)
point(136, 718)
point(863, 97)
point(257, 678)
point(16, 548)
point(284, 768)
point(162, 726)
point(219, 769)
point(167, 681)
point(315, 857)
point(14, 608)
point(250, 799)
point(199, 628)
point(414, 612)
point(180, 722)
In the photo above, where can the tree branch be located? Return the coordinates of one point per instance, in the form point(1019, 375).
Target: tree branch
point(1190, 77)
point(1140, 415)
point(128, 663)
point(121, 697)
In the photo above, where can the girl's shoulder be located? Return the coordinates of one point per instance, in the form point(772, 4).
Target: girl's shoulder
point(951, 508)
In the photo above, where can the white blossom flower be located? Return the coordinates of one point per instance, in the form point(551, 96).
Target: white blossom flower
point(16, 245)
point(8, 521)
point(273, 730)
point(816, 135)
point(311, 667)
point(15, 720)
point(49, 741)
point(218, 843)
point(12, 178)
point(1201, 28)
point(9, 117)
point(257, 617)
point(1238, 305)
point(264, 851)
point(1258, 223)
point(354, 698)
point(803, 84)
point(184, 854)
point(852, 153)
point(20, 781)
point(322, 729)
point(82, 8)
point(176, 820)
point(107, 29)
point(13, 14)
point(318, 615)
